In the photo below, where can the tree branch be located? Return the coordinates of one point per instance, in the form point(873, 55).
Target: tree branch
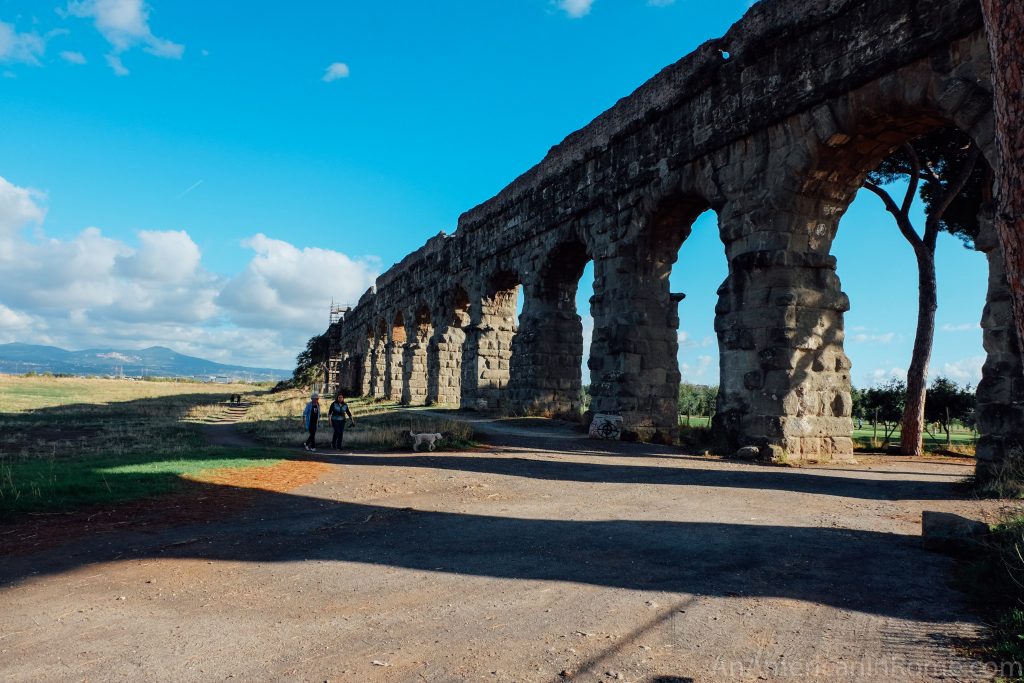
point(902, 219)
point(915, 173)
point(931, 230)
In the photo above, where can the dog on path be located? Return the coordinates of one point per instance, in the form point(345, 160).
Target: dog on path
point(429, 439)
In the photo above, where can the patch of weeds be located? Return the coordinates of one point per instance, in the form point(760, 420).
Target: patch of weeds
point(994, 578)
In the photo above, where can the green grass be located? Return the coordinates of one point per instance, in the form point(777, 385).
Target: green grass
point(72, 442)
point(34, 485)
point(961, 440)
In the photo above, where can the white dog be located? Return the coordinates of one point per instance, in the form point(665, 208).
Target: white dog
point(420, 439)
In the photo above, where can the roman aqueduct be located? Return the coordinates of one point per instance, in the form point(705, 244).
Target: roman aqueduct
point(773, 127)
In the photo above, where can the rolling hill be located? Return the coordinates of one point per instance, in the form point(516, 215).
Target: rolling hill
point(156, 360)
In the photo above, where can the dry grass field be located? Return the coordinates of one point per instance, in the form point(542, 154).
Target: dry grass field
point(71, 442)
point(68, 443)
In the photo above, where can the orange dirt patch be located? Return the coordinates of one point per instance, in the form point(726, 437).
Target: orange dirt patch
point(209, 495)
point(284, 476)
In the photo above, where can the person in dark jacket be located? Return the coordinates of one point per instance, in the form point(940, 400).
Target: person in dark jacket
point(311, 416)
point(337, 412)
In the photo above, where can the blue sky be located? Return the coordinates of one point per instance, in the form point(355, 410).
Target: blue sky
point(206, 177)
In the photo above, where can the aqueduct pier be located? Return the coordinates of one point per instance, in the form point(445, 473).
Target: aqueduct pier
point(773, 127)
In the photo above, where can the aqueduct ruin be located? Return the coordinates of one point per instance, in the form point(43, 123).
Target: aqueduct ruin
point(773, 127)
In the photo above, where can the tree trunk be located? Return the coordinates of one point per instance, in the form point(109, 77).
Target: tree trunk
point(917, 375)
point(1004, 24)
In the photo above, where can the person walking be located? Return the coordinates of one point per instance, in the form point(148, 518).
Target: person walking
point(311, 416)
point(337, 412)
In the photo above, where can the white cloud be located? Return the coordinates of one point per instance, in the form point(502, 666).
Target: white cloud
point(881, 375)
point(335, 71)
point(699, 373)
point(73, 57)
point(684, 340)
point(963, 371)
point(125, 25)
point(575, 8)
point(660, 3)
point(18, 208)
point(284, 285)
point(20, 47)
point(14, 325)
point(962, 327)
point(117, 65)
point(862, 338)
point(90, 290)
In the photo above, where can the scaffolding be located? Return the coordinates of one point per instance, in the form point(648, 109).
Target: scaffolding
point(338, 312)
point(331, 375)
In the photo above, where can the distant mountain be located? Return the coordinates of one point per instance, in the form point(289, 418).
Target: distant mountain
point(156, 360)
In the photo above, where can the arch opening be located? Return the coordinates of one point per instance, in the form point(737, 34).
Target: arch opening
point(933, 296)
point(547, 358)
point(683, 236)
point(789, 384)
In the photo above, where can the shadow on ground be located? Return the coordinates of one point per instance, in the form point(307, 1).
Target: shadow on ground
point(702, 558)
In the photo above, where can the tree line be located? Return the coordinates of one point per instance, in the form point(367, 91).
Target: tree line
point(947, 404)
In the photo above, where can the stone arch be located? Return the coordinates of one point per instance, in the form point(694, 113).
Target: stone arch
point(414, 379)
point(634, 357)
point(488, 347)
point(786, 377)
point(444, 352)
point(545, 367)
point(393, 357)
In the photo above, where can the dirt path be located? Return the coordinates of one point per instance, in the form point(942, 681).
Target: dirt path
point(516, 564)
point(221, 429)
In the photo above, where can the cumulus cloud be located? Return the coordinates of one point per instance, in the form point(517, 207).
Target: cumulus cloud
point(335, 71)
point(19, 206)
point(284, 285)
point(882, 375)
point(15, 325)
point(575, 8)
point(20, 47)
point(73, 57)
point(125, 25)
point(964, 371)
point(90, 290)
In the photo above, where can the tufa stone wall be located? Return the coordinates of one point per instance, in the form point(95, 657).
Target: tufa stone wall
point(773, 127)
